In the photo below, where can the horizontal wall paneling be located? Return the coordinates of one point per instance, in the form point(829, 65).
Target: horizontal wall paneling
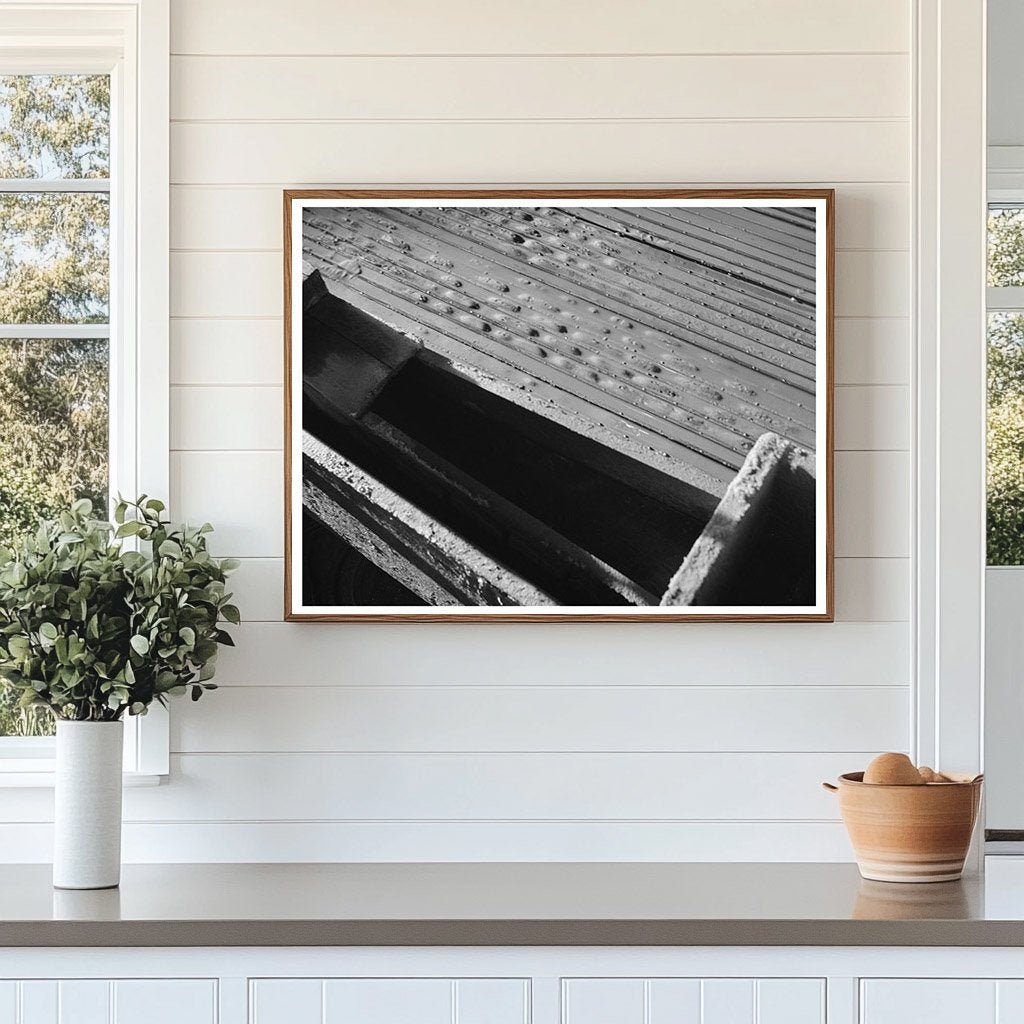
point(731, 26)
point(538, 87)
point(539, 151)
point(588, 741)
point(542, 718)
point(578, 654)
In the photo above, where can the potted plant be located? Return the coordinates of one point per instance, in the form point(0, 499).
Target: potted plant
point(99, 620)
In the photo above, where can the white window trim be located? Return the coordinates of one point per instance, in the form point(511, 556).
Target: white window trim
point(131, 40)
point(949, 446)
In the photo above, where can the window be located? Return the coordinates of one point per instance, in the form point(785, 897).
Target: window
point(1005, 478)
point(84, 125)
point(1004, 577)
point(54, 309)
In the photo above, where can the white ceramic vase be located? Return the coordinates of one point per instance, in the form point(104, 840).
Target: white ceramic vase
point(87, 811)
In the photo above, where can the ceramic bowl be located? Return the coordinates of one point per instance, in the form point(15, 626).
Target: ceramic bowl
point(909, 833)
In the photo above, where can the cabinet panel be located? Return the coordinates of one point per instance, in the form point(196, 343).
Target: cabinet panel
point(83, 1002)
point(674, 1001)
point(603, 1001)
point(492, 1001)
point(8, 1002)
point(789, 1001)
point(388, 1001)
point(101, 1001)
point(164, 1002)
point(929, 1001)
point(1010, 1002)
point(286, 1001)
point(942, 1001)
point(693, 1001)
point(727, 1001)
point(39, 1003)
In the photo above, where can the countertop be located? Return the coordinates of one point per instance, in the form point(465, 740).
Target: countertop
point(512, 904)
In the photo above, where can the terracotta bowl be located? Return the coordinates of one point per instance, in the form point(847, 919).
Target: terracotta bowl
point(909, 833)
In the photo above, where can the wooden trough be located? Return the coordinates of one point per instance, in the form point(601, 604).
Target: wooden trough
point(428, 481)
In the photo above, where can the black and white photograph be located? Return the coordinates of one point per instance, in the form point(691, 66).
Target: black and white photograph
point(559, 405)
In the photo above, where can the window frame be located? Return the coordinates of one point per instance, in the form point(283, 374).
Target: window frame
point(948, 447)
point(1003, 713)
point(130, 41)
point(1004, 298)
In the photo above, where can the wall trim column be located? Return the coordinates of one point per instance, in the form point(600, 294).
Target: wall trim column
point(949, 445)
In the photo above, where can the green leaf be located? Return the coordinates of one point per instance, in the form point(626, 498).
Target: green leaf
point(231, 613)
point(140, 644)
point(133, 560)
point(49, 631)
point(206, 650)
point(170, 549)
point(18, 646)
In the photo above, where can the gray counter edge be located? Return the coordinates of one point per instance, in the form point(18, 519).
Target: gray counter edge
point(249, 933)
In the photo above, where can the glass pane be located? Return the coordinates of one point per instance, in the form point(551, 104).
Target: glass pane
point(1005, 439)
point(54, 257)
point(18, 721)
point(54, 126)
point(53, 449)
point(1005, 246)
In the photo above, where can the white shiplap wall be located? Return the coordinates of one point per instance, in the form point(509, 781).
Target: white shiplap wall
point(521, 741)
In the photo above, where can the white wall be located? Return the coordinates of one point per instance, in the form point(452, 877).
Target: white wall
point(526, 741)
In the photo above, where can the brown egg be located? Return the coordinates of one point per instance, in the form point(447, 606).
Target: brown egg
point(928, 774)
point(892, 770)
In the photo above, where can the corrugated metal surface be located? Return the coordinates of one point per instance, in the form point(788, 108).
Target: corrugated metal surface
point(690, 327)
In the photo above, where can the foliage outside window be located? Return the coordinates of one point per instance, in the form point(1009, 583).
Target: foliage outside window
point(54, 309)
point(1005, 486)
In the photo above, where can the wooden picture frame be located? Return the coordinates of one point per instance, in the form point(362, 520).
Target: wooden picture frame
point(507, 447)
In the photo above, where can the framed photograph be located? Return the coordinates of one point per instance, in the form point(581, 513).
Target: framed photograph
point(549, 405)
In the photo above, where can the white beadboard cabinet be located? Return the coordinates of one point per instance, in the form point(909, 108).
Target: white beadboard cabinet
point(389, 1001)
point(953, 1001)
point(107, 1001)
point(696, 1000)
point(513, 985)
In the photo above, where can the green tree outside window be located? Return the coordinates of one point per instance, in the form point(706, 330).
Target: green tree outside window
point(54, 270)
